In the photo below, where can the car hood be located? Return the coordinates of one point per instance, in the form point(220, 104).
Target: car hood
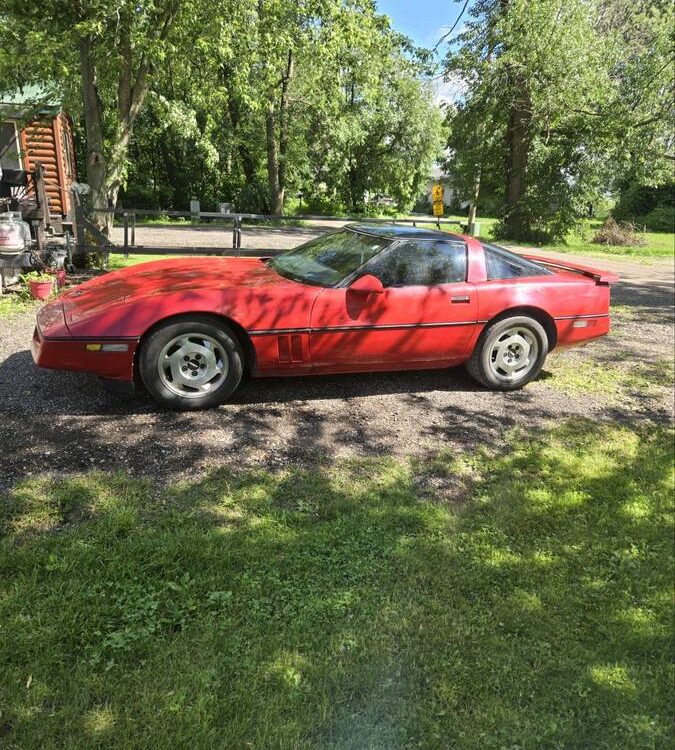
point(167, 276)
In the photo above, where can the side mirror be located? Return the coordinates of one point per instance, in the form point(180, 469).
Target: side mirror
point(367, 284)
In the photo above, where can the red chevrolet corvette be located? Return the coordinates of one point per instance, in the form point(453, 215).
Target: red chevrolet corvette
point(362, 299)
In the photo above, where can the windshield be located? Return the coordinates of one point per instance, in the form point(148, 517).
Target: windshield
point(328, 259)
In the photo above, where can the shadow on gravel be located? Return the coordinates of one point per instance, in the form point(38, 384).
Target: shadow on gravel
point(64, 422)
point(27, 389)
point(655, 295)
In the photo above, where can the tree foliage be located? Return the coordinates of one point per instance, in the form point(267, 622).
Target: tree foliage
point(240, 100)
point(564, 98)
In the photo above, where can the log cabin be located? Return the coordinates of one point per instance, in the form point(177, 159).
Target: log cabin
point(36, 130)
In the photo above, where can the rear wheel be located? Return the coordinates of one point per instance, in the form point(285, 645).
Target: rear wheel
point(191, 363)
point(509, 353)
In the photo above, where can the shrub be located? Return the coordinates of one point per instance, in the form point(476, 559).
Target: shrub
point(254, 198)
point(321, 205)
point(660, 219)
point(639, 200)
point(618, 233)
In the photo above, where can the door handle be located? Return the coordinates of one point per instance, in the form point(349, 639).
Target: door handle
point(462, 298)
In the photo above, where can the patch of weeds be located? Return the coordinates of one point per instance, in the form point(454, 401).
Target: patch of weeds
point(623, 314)
point(15, 303)
point(129, 614)
point(449, 476)
point(574, 374)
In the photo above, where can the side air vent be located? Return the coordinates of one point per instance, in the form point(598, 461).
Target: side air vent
point(291, 348)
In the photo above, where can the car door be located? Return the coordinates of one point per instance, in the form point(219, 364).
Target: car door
point(425, 314)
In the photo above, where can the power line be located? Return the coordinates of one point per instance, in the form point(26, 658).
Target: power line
point(454, 26)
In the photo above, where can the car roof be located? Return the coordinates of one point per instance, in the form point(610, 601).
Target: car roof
point(399, 231)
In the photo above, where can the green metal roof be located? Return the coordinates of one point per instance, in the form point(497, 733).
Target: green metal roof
point(28, 101)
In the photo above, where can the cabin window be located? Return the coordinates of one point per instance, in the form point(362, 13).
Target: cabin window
point(421, 263)
point(10, 152)
point(501, 264)
point(67, 152)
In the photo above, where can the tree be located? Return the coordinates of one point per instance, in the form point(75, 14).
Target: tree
point(100, 56)
point(241, 100)
point(321, 98)
point(568, 89)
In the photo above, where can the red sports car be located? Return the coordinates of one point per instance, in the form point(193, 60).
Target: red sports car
point(362, 299)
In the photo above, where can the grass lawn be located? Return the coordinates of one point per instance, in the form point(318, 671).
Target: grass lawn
point(520, 600)
point(659, 244)
point(13, 304)
point(116, 261)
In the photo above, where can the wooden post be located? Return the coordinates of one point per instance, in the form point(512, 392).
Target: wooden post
point(474, 203)
point(39, 236)
point(41, 195)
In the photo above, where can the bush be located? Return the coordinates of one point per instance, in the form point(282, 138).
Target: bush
point(253, 198)
point(614, 233)
point(661, 219)
point(320, 205)
point(639, 201)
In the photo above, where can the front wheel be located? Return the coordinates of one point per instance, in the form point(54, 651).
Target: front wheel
point(191, 363)
point(509, 353)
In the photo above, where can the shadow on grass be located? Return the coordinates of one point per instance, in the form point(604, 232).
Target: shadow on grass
point(342, 607)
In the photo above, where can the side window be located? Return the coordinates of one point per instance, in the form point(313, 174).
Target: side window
point(501, 264)
point(421, 263)
point(10, 157)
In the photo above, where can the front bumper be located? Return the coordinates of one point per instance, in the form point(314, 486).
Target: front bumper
point(82, 355)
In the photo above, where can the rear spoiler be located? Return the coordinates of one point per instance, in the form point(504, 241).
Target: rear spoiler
point(600, 277)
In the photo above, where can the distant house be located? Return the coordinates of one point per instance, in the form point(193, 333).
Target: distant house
point(34, 131)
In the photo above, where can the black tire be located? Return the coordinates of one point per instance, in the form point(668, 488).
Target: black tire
point(221, 355)
point(483, 365)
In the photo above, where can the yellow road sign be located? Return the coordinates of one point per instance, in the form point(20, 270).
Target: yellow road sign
point(438, 208)
point(437, 193)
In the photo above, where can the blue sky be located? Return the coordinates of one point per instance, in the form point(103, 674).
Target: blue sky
point(425, 22)
point(422, 20)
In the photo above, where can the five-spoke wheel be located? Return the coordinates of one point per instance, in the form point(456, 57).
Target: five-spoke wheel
point(191, 363)
point(509, 353)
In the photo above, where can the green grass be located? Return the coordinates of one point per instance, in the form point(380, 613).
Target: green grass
point(348, 607)
point(659, 244)
point(617, 381)
point(12, 304)
point(116, 260)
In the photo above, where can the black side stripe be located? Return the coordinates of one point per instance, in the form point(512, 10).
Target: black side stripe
point(574, 317)
point(373, 327)
point(396, 326)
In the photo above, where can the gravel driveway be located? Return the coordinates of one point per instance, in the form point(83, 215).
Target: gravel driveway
point(64, 422)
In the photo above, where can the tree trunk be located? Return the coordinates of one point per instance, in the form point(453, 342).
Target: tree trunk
point(518, 139)
point(93, 124)
point(276, 154)
point(473, 207)
point(355, 188)
point(105, 170)
point(245, 157)
point(273, 161)
point(284, 130)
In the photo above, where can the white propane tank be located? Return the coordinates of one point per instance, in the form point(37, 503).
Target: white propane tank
point(12, 235)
